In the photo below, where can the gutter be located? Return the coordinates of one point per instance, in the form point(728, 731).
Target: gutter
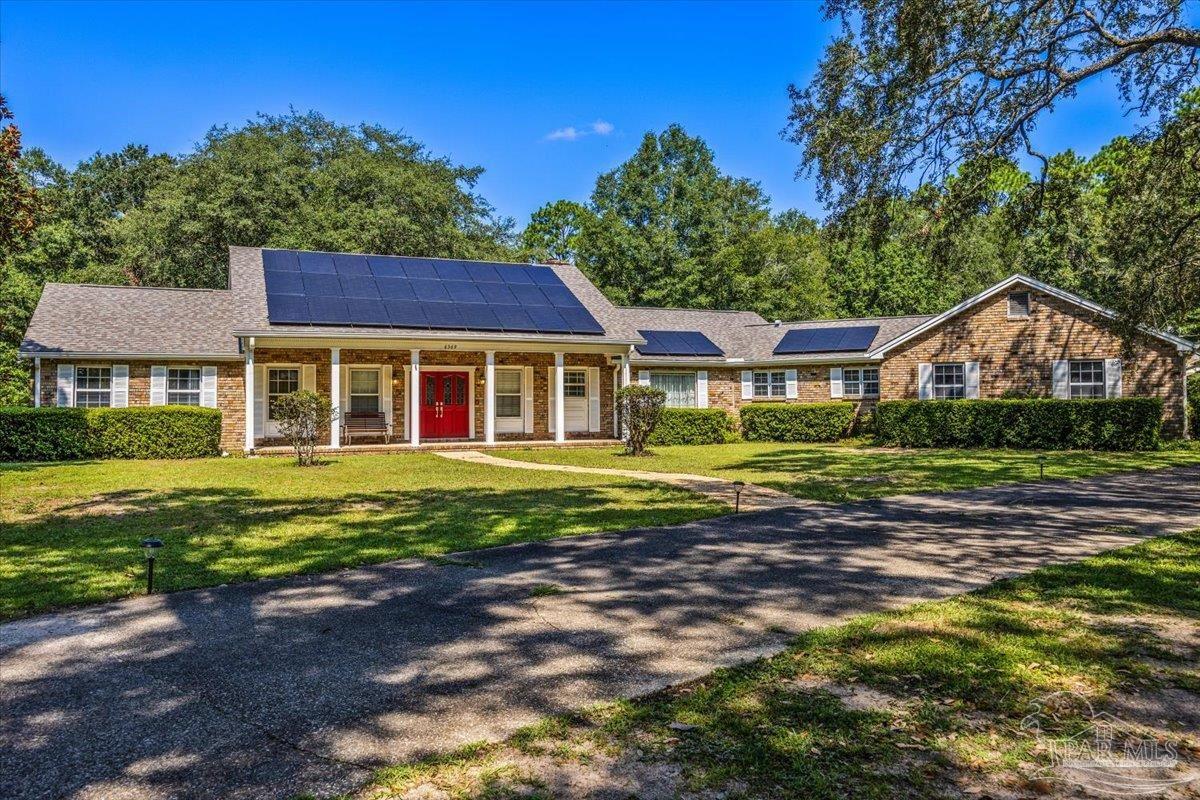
point(426, 335)
point(61, 354)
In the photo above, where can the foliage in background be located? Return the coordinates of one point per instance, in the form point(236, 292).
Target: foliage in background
point(693, 426)
point(1128, 423)
point(65, 434)
point(1193, 391)
point(668, 228)
point(639, 408)
point(303, 416)
point(796, 422)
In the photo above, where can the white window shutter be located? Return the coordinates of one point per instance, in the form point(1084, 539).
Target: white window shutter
point(120, 386)
point(702, 389)
point(65, 391)
point(385, 395)
point(550, 403)
point(644, 377)
point(925, 381)
point(158, 385)
point(747, 385)
point(971, 380)
point(1112, 377)
point(527, 390)
point(593, 379)
point(1060, 379)
point(308, 377)
point(408, 390)
point(260, 400)
point(793, 387)
point(836, 387)
point(208, 386)
point(344, 388)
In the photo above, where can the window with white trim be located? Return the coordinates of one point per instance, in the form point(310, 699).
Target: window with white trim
point(364, 391)
point(508, 394)
point(574, 383)
point(770, 384)
point(679, 386)
point(1087, 379)
point(280, 381)
point(860, 382)
point(183, 386)
point(949, 381)
point(93, 387)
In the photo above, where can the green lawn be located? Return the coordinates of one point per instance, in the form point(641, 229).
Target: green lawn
point(851, 471)
point(925, 702)
point(69, 533)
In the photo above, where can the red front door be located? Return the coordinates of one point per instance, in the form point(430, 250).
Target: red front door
point(444, 405)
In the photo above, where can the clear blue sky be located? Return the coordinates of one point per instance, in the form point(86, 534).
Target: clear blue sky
point(481, 84)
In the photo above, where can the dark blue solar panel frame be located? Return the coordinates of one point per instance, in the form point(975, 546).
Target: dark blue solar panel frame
point(677, 343)
point(349, 289)
point(827, 340)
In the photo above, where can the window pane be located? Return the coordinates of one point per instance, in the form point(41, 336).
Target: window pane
point(778, 384)
point(508, 405)
point(575, 384)
point(183, 398)
point(761, 384)
point(364, 403)
point(364, 381)
point(949, 381)
point(279, 383)
point(508, 381)
point(870, 377)
point(679, 386)
point(852, 382)
point(183, 380)
point(1087, 379)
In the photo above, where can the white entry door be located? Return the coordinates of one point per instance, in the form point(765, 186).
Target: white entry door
point(575, 395)
point(280, 381)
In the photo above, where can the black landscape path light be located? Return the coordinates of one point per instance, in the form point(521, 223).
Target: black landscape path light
point(150, 547)
point(1041, 459)
point(737, 496)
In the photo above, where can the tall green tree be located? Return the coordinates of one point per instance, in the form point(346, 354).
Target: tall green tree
point(668, 228)
point(304, 181)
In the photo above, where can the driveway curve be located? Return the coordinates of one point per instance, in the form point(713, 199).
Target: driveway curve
point(303, 685)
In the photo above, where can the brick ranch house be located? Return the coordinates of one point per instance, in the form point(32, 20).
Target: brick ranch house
point(420, 350)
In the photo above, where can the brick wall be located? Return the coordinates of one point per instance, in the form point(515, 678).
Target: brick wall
point(1015, 355)
point(229, 390)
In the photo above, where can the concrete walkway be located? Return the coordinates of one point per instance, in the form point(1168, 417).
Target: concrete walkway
point(277, 688)
point(754, 497)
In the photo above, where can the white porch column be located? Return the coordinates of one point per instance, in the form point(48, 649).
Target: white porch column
point(37, 383)
point(560, 417)
point(248, 385)
point(625, 368)
point(414, 400)
point(489, 397)
point(335, 392)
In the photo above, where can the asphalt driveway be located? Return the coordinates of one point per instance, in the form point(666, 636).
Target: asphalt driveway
point(270, 689)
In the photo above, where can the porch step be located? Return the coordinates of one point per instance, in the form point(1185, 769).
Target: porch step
point(405, 447)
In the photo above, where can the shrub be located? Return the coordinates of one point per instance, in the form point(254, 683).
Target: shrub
point(1131, 423)
point(692, 426)
point(301, 416)
point(796, 422)
point(640, 408)
point(61, 434)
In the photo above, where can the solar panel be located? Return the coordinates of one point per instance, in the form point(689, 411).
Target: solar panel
point(347, 264)
point(284, 282)
point(827, 340)
point(677, 343)
point(330, 310)
point(367, 312)
point(287, 308)
point(316, 262)
point(349, 289)
point(282, 260)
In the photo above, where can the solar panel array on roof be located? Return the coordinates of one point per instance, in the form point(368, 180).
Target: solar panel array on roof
point(392, 291)
point(826, 340)
point(677, 343)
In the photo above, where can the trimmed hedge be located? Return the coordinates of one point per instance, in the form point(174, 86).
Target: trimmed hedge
point(692, 426)
point(63, 434)
point(796, 422)
point(1131, 423)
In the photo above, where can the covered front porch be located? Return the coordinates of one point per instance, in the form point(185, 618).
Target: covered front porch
point(437, 393)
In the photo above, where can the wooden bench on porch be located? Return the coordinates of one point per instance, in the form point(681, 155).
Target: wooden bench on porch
point(365, 423)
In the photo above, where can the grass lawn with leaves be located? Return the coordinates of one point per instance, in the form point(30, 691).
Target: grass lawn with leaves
point(852, 470)
point(923, 702)
point(69, 532)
